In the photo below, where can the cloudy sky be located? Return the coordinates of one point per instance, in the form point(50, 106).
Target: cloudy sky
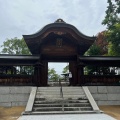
point(22, 17)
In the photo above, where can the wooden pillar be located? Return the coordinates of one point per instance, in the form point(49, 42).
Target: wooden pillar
point(73, 70)
point(44, 73)
point(80, 74)
point(41, 74)
point(37, 75)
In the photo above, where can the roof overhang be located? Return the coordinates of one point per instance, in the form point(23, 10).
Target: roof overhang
point(12, 60)
point(57, 30)
point(100, 61)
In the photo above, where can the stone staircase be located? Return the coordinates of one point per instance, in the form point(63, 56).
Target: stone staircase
point(65, 100)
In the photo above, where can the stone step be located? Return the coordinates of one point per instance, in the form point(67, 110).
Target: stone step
point(49, 90)
point(74, 96)
point(60, 112)
point(48, 105)
point(73, 92)
point(62, 108)
point(70, 87)
point(64, 91)
point(51, 99)
point(48, 99)
point(77, 108)
point(60, 105)
point(57, 96)
point(42, 94)
point(58, 89)
point(59, 101)
point(58, 92)
point(48, 96)
point(40, 109)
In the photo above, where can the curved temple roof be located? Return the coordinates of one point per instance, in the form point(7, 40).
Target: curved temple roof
point(59, 28)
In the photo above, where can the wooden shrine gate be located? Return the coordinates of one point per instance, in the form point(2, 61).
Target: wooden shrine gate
point(58, 42)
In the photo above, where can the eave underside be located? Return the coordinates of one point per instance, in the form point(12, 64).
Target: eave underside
point(100, 61)
point(35, 41)
point(12, 60)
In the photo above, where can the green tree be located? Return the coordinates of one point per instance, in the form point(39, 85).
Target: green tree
point(112, 21)
point(65, 69)
point(15, 46)
point(93, 50)
point(52, 75)
point(90, 70)
point(18, 47)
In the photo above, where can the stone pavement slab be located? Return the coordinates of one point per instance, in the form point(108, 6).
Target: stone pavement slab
point(67, 117)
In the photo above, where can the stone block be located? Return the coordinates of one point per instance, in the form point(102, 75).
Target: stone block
point(93, 89)
point(108, 102)
point(100, 96)
point(113, 97)
point(5, 98)
point(19, 97)
point(6, 104)
point(18, 104)
point(20, 89)
point(4, 90)
point(102, 89)
point(113, 89)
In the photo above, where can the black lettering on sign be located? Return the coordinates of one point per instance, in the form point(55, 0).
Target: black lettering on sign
point(59, 42)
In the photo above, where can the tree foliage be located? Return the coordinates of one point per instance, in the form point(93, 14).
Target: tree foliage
point(65, 69)
point(52, 75)
point(93, 50)
point(112, 21)
point(112, 14)
point(112, 34)
point(15, 46)
point(18, 47)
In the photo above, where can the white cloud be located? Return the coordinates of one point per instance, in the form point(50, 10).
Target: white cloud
point(28, 16)
point(58, 66)
point(18, 17)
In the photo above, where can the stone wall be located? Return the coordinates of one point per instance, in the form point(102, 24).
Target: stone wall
point(18, 96)
point(106, 95)
point(14, 96)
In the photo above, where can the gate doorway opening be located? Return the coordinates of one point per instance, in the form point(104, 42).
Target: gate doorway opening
point(58, 73)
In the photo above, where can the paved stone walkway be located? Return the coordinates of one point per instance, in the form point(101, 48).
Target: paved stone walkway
point(67, 117)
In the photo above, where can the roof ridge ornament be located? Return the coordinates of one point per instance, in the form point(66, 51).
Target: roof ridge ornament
point(59, 21)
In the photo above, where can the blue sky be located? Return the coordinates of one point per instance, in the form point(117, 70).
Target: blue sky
point(21, 17)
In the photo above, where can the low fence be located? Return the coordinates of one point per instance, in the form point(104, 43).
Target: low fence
point(89, 80)
point(16, 80)
point(100, 80)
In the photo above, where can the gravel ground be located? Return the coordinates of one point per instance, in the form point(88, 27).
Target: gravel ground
point(113, 111)
point(10, 113)
point(13, 113)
